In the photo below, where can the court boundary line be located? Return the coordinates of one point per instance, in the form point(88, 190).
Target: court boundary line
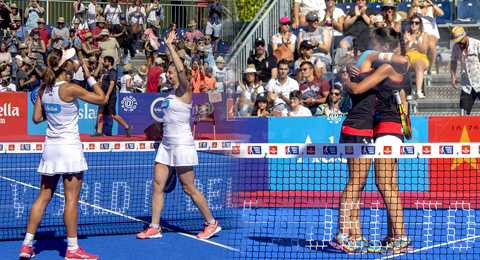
point(428, 247)
point(122, 215)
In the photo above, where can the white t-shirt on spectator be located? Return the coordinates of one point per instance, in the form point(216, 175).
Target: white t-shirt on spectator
point(112, 14)
point(224, 78)
point(337, 13)
point(134, 18)
point(302, 112)
point(139, 82)
point(277, 38)
point(311, 5)
point(123, 83)
point(287, 88)
point(78, 74)
point(249, 93)
point(11, 87)
point(91, 13)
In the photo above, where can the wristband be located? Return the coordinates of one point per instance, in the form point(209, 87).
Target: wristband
point(385, 56)
point(91, 81)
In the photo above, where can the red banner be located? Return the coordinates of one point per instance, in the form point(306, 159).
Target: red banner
point(13, 113)
point(454, 174)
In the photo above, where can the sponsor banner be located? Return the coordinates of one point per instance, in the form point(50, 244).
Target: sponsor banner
point(13, 114)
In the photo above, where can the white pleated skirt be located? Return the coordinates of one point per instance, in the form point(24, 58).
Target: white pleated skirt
point(62, 159)
point(177, 155)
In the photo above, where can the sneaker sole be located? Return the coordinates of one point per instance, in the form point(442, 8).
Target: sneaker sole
point(398, 251)
point(218, 229)
point(80, 258)
point(160, 235)
point(26, 256)
point(339, 247)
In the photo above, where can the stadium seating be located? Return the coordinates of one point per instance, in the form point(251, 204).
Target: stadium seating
point(297, 31)
point(376, 6)
point(345, 6)
point(468, 13)
point(447, 17)
point(223, 47)
point(404, 6)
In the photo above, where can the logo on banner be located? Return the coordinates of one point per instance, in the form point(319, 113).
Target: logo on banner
point(446, 149)
point(91, 146)
point(38, 147)
point(25, 147)
point(368, 150)
point(142, 146)
point(1, 147)
point(330, 150)
point(426, 150)
point(156, 110)
point(202, 145)
point(465, 149)
point(129, 103)
point(235, 149)
point(104, 146)
point(310, 149)
point(273, 150)
point(254, 150)
point(291, 149)
point(154, 146)
point(387, 150)
point(11, 147)
point(407, 150)
point(226, 144)
point(349, 150)
point(116, 146)
point(214, 145)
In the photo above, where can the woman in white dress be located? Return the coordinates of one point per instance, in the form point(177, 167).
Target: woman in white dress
point(63, 154)
point(177, 149)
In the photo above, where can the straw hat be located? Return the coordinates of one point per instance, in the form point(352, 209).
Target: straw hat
point(142, 70)
point(104, 32)
point(128, 67)
point(192, 22)
point(155, 24)
point(101, 19)
point(14, 6)
point(250, 68)
point(403, 14)
point(41, 20)
point(32, 56)
point(76, 20)
point(61, 19)
point(219, 59)
point(159, 61)
point(189, 45)
point(458, 33)
point(88, 35)
point(22, 46)
point(92, 59)
point(5, 74)
point(27, 60)
point(17, 18)
point(388, 3)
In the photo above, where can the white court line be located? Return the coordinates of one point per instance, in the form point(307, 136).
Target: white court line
point(429, 247)
point(122, 215)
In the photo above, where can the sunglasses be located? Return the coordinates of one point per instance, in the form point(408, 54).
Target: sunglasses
point(335, 94)
point(286, 24)
point(389, 8)
point(260, 44)
point(343, 71)
point(305, 69)
point(416, 23)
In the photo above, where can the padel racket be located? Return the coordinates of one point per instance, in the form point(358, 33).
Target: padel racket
point(404, 118)
point(171, 181)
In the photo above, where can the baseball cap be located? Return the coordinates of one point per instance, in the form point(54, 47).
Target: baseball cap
point(285, 19)
point(306, 44)
point(259, 40)
point(311, 16)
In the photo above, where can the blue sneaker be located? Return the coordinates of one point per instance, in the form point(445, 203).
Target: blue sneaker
point(376, 248)
point(397, 246)
point(363, 242)
point(348, 246)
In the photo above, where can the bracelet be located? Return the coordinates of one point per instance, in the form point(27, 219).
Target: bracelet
point(385, 56)
point(91, 81)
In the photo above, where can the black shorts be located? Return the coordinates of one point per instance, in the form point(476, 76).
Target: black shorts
point(109, 108)
point(355, 139)
point(467, 100)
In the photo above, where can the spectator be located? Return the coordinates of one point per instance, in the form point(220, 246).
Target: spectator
point(13, 13)
point(78, 76)
point(356, 20)
point(416, 43)
point(306, 54)
point(88, 48)
point(112, 13)
point(37, 47)
point(320, 37)
point(109, 80)
point(79, 11)
point(124, 35)
point(197, 76)
point(109, 46)
point(264, 63)
point(225, 78)
point(150, 36)
point(390, 16)
point(97, 30)
point(332, 106)
point(59, 34)
point(24, 79)
point(208, 51)
point(7, 85)
point(260, 108)
point(153, 75)
point(302, 7)
point(5, 56)
point(140, 80)
point(250, 87)
point(192, 32)
point(126, 84)
point(427, 11)
point(155, 12)
point(172, 27)
point(282, 87)
point(92, 14)
point(466, 50)
point(163, 85)
point(12, 41)
point(314, 89)
point(136, 13)
point(5, 12)
point(214, 23)
point(44, 32)
point(22, 32)
point(32, 13)
point(295, 109)
point(72, 41)
point(209, 81)
point(284, 36)
point(21, 54)
point(333, 17)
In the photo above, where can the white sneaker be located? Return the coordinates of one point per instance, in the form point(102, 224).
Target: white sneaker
point(420, 95)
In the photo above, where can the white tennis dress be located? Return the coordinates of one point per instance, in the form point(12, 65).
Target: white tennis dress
point(63, 153)
point(177, 147)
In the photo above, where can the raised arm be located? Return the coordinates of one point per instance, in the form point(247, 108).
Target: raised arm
point(184, 91)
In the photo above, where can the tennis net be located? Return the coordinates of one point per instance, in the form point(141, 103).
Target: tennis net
point(116, 192)
point(289, 194)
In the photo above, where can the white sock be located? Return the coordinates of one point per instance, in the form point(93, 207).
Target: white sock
point(342, 236)
point(211, 222)
point(28, 239)
point(156, 226)
point(72, 244)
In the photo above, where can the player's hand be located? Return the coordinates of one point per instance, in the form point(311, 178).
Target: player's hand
point(353, 71)
point(454, 82)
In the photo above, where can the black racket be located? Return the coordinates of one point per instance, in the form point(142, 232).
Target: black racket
point(171, 181)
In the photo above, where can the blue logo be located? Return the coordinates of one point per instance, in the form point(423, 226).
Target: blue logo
point(165, 104)
point(291, 150)
point(52, 108)
point(226, 144)
point(105, 146)
point(202, 145)
point(368, 150)
point(330, 150)
point(130, 146)
point(446, 149)
point(25, 147)
point(408, 150)
point(1, 147)
point(254, 150)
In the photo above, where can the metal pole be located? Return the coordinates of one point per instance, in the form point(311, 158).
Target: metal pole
point(47, 20)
